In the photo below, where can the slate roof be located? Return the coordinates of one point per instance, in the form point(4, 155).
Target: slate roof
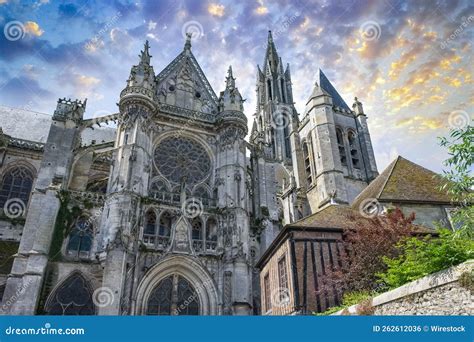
point(326, 85)
point(405, 181)
point(32, 126)
point(335, 217)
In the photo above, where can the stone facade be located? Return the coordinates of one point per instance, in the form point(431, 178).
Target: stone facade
point(172, 205)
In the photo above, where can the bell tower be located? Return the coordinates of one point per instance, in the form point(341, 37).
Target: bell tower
point(128, 182)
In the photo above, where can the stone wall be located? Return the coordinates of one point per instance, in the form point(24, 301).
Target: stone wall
point(448, 292)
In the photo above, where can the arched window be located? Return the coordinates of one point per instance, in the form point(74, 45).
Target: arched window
point(197, 229)
point(150, 227)
point(173, 295)
point(166, 220)
point(158, 189)
point(269, 89)
point(202, 194)
point(72, 297)
point(16, 183)
point(286, 133)
point(351, 137)
point(307, 163)
point(80, 238)
point(340, 144)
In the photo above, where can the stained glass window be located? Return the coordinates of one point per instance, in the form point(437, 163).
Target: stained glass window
point(180, 158)
point(173, 295)
point(80, 238)
point(16, 183)
point(73, 297)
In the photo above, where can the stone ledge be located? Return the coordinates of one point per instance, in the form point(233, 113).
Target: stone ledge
point(446, 276)
point(449, 275)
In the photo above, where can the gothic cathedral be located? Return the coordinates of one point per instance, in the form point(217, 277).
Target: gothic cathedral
point(170, 215)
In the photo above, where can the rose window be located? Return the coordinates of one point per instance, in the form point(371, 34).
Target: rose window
point(182, 159)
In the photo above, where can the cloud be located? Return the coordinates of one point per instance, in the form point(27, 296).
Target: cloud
point(216, 10)
point(33, 29)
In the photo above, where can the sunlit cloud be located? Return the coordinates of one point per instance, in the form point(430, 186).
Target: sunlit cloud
point(33, 28)
point(216, 10)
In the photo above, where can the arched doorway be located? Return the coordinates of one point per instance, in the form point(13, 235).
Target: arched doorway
point(173, 295)
point(178, 285)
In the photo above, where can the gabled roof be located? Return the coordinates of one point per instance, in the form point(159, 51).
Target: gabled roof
point(405, 181)
point(326, 85)
point(176, 63)
point(334, 217)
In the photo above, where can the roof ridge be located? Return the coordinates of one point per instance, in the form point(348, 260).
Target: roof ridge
point(394, 163)
point(26, 110)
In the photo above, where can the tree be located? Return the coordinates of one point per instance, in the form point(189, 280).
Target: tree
point(366, 245)
point(460, 178)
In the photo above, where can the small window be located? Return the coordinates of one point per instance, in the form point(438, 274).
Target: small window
point(166, 220)
point(351, 137)
point(282, 275)
point(211, 230)
point(266, 292)
point(340, 144)
point(150, 227)
point(307, 163)
point(80, 238)
point(197, 229)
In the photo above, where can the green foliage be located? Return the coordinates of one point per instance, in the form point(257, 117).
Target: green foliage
point(64, 220)
point(460, 177)
point(348, 299)
point(422, 256)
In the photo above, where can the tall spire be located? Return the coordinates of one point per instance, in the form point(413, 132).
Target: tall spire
point(145, 54)
point(271, 55)
point(270, 37)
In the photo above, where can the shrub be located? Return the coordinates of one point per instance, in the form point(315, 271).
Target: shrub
point(422, 256)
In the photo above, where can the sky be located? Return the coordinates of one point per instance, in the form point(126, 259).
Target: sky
point(408, 62)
